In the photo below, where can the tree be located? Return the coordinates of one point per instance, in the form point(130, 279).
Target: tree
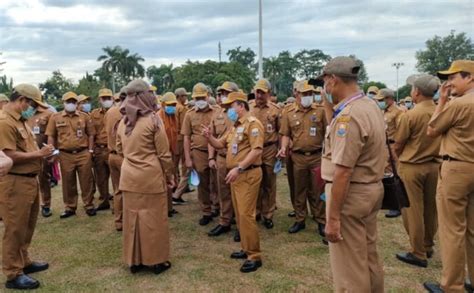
point(281, 71)
point(378, 84)
point(311, 63)
point(56, 85)
point(440, 52)
point(119, 66)
point(404, 91)
point(89, 85)
point(162, 77)
point(6, 86)
point(245, 57)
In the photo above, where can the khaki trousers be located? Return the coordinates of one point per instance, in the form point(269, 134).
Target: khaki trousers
point(455, 203)
point(44, 179)
point(266, 204)
point(225, 197)
point(201, 163)
point(102, 173)
point(291, 179)
point(115, 165)
point(184, 173)
point(354, 261)
point(420, 219)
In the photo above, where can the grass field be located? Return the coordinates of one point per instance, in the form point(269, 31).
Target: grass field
point(85, 256)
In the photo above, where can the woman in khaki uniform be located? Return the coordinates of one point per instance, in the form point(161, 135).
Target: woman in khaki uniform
point(146, 170)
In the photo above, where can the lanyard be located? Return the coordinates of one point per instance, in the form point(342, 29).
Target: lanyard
point(352, 99)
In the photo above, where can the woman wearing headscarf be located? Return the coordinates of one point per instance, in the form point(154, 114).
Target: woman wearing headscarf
point(167, 114)
point(146, 174)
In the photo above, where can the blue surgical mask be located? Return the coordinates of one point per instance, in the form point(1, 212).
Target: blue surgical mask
point(436, 96)
point(329, 98)
point(370, 95)
point(232, 115)
point(409, 105)
point(87, 107)
point(28, 113)
point(318, 98)
point(170, 110)
point(382, 105)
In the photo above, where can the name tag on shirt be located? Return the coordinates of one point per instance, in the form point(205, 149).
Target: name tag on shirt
point(36, 130)
point(312, 131)
point(235, 149)
point(240, 130)
point(79, 133)
point(269, 128)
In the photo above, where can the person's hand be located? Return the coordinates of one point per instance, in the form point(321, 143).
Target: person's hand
point(282, 153)
point(212, 164)
point(444, 92)
point(171, 182)
point(232, 175)
point(333, 231)
point(46, 151)
point(5, 164)
point(188, 163)
point(206, 131)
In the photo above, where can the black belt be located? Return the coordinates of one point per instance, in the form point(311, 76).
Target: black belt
point(391, 141)
point(29, 175)
point(448, 158)
point(352, 182)
point(252, 167)
point(308, 153)
point(113, 152)
point(101, 145)
point(223, 155)
point(269, 144)
point(204, 151)
point(73, 151)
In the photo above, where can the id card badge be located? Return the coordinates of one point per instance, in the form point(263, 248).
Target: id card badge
point(36, 130)
point(79, 133)
point(269, 128)
point(312, 131)
point(235, 149)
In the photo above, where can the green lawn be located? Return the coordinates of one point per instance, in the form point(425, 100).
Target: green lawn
point(85, 256)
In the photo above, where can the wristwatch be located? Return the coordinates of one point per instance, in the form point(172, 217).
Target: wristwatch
point(241, 170)
point(91, 151)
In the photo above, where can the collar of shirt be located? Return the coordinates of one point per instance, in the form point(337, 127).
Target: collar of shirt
point(390, 108)
point(64, 113)
point(243, 119)
point(7, 109)
point(303, 109)
point(425, 103)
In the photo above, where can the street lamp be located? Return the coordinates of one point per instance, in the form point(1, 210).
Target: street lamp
point(397, 65)
point(260, 41)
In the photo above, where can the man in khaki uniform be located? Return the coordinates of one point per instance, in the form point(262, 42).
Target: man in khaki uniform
point(220, 126)
point(3, 101)
point(454, 122)
point(418, 168)
point(244, 159)
point(72, 133)
point(111, 121)
point(353, 167)
point(101, 152)
point(305, 125)
point(268, 114)
point(37, 123)
point(19, 197)
point(181, 110)
point(372, 91)
point(386, 101)
point(195, 147)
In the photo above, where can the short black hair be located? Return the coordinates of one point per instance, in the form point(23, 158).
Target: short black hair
point(246, 105)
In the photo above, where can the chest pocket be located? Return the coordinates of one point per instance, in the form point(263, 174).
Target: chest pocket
point(196, 126)
point(22, 137)
point(61, 126)
point(296, 127)
point(219, 124)
point(271, 125)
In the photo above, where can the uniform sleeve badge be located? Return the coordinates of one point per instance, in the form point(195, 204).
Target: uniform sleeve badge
point(255, 132)
point(341, 129)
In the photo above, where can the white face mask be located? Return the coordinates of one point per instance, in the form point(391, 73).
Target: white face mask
point(223, 99)
point(307, 101)
point(201, 104)
point(107, 103)
point(70, 107)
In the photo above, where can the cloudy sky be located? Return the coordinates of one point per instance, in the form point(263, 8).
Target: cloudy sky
point(39, 36)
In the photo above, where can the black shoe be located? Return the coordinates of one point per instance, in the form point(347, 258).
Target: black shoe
point(268, 223)
point(178, 201)
point(233, 222)
point(205, 220)
point(409, 258)
point(172, 213)
point(297, 226)
point(237, 236)
point(35, 267)
point(22, 282)
point(238, 255)
point(433, 287)
point(468, 286)
point(103, 207)
point(160, 268)
point(91, 212)
point(215, 213)
point(321, 228)
point(325, 241)
point(218, 230)
point(136, 269)
point(292, 214)
point(46, 212)
point(67, 214)
point(429, 254)
point(188, 190)
point(258, 218)
point(250, 266)
point(393, 214)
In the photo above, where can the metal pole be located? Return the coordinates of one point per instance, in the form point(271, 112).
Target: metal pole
point(260, 42)
point(397, 65)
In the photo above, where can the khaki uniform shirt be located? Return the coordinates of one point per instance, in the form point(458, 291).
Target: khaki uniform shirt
point(305, 127)
point(392, 116)
point(38, 124)
point(269, 116)
point(111, 120)
point(181, 111)
point(356, 139)
point(419, 147)
point(97, 117)
point(192, 126)
point(220, 125)
point(246, 135)
point(70, 131)
point(16, 135)
point(456, 124)
point(147, 159)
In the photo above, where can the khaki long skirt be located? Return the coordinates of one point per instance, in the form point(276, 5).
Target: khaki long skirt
point(146, 238)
